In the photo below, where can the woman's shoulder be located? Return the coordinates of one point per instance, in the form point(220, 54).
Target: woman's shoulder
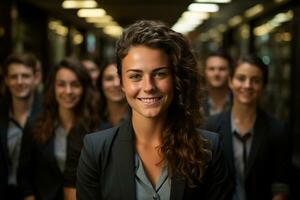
point(101, 136)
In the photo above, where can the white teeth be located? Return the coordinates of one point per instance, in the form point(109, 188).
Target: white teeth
point(149, 100)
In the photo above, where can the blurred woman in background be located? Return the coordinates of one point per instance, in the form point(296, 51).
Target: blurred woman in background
point(68, 108)
point(113, 104)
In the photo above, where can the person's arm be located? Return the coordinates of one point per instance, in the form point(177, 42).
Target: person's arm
point(281, 162)
point(219, 185)
point(88, 174)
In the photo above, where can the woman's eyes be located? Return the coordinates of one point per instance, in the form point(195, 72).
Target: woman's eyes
point(155, 75)
point(253, 80)
point(160, 74)
point(135, 76)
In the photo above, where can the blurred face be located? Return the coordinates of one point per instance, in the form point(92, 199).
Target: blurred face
point(111, 84)
point(20, 81)
point(68, 89)
point(93, 70)
point(247, 84)
point(147, 82)
point(216, 72)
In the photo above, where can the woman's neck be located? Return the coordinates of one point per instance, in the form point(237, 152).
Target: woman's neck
point(116, 111)
point(244, 116)
point(66, 118)
point(147, 130)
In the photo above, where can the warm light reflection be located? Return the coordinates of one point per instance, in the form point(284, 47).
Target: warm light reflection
point(58, 28)
point(221, 28)
point(255, 10)
point(234, 21)
point(77, 39)
point(114, 31)
point(276, 21)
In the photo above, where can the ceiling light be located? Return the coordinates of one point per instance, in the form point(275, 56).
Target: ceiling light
point(70, 4)
point(195, 15)
point(203, 7)
point(213, 1)
point(114, 31)
point(103, 19)
point(279, 1)
point(96, 12)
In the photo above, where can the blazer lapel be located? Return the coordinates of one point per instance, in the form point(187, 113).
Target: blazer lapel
point(259, 133)
point(177, 187)
point(48, 153)
point(125, 159)
point(225, 130)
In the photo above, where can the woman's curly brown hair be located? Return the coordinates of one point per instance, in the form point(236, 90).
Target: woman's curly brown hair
point(186, 151)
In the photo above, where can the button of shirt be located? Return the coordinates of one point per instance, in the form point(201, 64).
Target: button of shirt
point(156, 196)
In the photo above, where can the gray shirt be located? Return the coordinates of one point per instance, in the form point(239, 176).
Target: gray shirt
point(60, 147)
point(14, 139)
point(145, 190)
point(238, 149)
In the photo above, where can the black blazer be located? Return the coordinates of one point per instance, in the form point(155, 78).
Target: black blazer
point(269, 158)
point(5, 105)
point(106, 169)
point(39, 174)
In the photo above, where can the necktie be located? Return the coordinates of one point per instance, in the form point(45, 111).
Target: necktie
point(244, 140)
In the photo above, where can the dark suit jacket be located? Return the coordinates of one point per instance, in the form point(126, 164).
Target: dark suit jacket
point(269, 157)
point(106, 169)
point(39, 174)
point(4, 122)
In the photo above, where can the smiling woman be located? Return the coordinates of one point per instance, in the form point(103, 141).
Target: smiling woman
point(158, 152)
point(68, 109)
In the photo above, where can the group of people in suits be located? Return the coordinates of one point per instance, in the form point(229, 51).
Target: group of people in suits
point(256, 145)
point(159, 146)
point(41, 134)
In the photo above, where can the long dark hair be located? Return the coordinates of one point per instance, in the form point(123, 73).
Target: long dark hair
point(184, 149)
point(99, 86)
point(86, 117)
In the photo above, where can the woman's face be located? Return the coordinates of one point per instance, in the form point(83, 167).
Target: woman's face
point(247, 84)
point(68, 89)
point(111, 84)
point(147, 81)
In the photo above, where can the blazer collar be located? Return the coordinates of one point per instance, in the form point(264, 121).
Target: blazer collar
point(125, 164)
point(177, 187)
point(227, 137)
